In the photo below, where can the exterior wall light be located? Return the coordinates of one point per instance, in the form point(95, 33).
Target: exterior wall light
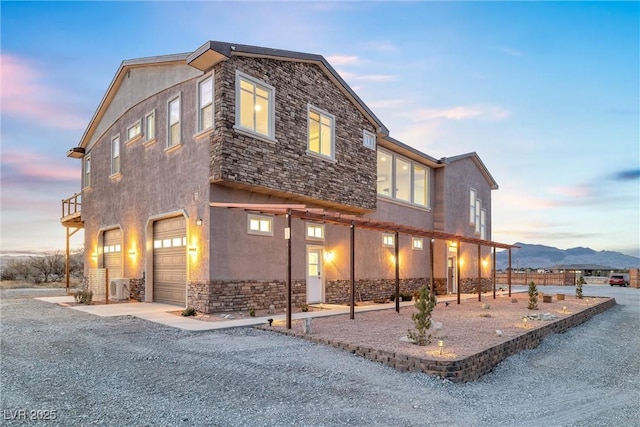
point(199, 222)
point(132, 253)
point(329, 256)
point(192, 249)
point(440, 345)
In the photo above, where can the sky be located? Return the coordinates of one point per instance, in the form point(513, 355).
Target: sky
point(547, 94)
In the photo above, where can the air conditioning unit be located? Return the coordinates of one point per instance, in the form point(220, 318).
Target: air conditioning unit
point(119, 289)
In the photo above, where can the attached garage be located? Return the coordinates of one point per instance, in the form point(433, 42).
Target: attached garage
point(112, 252)
point(170, 261)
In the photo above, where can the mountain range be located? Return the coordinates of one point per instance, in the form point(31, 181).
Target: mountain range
point(540, 256)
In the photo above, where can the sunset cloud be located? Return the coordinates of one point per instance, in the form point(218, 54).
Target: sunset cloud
point(478, 112)
point(25, 95)
point(24, 166)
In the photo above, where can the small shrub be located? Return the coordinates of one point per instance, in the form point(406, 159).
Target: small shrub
point(252, 312)
point(406, 297)
point(380, 300)
point(304, 308)
point(579, 288)
point(422, 319)
point(189, 311)
point(533, 296)
point(83, 297)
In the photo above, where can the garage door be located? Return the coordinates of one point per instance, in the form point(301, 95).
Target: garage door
point(170, 261)
point(112, 252)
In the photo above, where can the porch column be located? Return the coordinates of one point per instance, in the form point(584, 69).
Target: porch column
point(353, 272)
point(287, 236)
point(479, 274)
point(458, 269)
point(397, 258)
point(493, 272)
point(509, 273)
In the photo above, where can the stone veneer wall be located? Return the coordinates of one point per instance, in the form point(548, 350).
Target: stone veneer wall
point(136, 289)
point(470, 285)
point(338, 291)
point(219, 296)
point(470, 368)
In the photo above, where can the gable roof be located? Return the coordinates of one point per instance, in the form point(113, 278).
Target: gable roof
point(212, 52)
point(476, 159)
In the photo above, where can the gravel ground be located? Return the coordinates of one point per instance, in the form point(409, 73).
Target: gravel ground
point(129, 372)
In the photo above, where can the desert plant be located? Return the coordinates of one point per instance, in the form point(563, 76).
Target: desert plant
point(425, 304)
point(189, 311)
point(533, 296)
point(304, 308)
point(579, 288)
point(252, 312)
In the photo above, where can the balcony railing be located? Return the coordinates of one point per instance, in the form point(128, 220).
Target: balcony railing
point(71, 216)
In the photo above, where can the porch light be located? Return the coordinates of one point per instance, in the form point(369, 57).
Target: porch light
point(441, 345)
point(485, 263)
point(132, 253)
point(564, 308)
point(329, 256)
point(94, 256)
point(199, 222)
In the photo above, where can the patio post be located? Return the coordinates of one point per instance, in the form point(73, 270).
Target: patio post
point(287, 236)
point(493, 272)
point(509, 272)
point(458, 270)
point(353, 272)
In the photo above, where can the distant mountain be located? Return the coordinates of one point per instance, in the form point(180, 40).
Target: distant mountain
point(540, 256)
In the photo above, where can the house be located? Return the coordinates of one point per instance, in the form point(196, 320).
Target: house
point(194, 165)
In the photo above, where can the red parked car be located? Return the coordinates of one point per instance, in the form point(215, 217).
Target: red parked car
point(618, 280)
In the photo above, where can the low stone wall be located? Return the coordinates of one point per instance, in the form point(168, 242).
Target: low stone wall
point(223, 296)
point(470, 368)
point(470, 285)
point(339, 291)
point(136, 289)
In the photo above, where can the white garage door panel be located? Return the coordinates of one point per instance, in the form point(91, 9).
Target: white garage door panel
point(170, 261)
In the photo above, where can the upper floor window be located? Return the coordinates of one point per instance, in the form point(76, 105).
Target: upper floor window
point(321, 132)
point(472, 206)
point(315, 231)
point(402, 179)
point(87, 171)
point(255, 109)
point(205, 104)
point(260, 225)
point(174, 122)
point(368, 139)
point(478, 215)
point(483, 224)
point(115, 155)
point(388, 239)
point(150, 125)
point(134, 131)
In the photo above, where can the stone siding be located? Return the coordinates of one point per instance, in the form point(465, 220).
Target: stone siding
point(338, 291)
point(136, 289)
point(284, 166)
point(225, 296)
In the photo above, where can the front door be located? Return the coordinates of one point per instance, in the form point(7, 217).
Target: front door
point(452, 278)
point(314, 274)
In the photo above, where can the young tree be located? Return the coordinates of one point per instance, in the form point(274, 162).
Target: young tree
point(533, 296)
point(425, 304)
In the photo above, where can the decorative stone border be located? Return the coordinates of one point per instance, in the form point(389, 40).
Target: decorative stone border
point(472, 367)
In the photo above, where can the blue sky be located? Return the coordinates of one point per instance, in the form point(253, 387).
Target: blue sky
point(546, 93)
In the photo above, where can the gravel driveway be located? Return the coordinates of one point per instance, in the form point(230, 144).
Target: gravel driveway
point(124, 371)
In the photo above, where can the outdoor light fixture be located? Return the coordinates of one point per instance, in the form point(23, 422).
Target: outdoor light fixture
point(587, 301)
point(132, 253)
point(192, 249)
point(524, 320)
point(328, 256)
point(199, 222)
point(564, 308)
point(440, 345)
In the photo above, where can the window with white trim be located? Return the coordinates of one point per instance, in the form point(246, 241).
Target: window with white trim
point(483, 224)
point(368, 139)
point(321, 132)
point(205, 104)
point(176, 242)
point(115, 155)
point(150, 125)
point(315, 231)
point(173, 131)
point(417, 243)
point(402, 179)
point(260, 225)
point(255, 106)
point(110, 249)
point(134, 131)
point(478, 215)
point(388, 239)
point(87, 171)
point(472, 206)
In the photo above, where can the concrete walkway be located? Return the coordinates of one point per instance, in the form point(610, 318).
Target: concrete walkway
point(165, 314)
